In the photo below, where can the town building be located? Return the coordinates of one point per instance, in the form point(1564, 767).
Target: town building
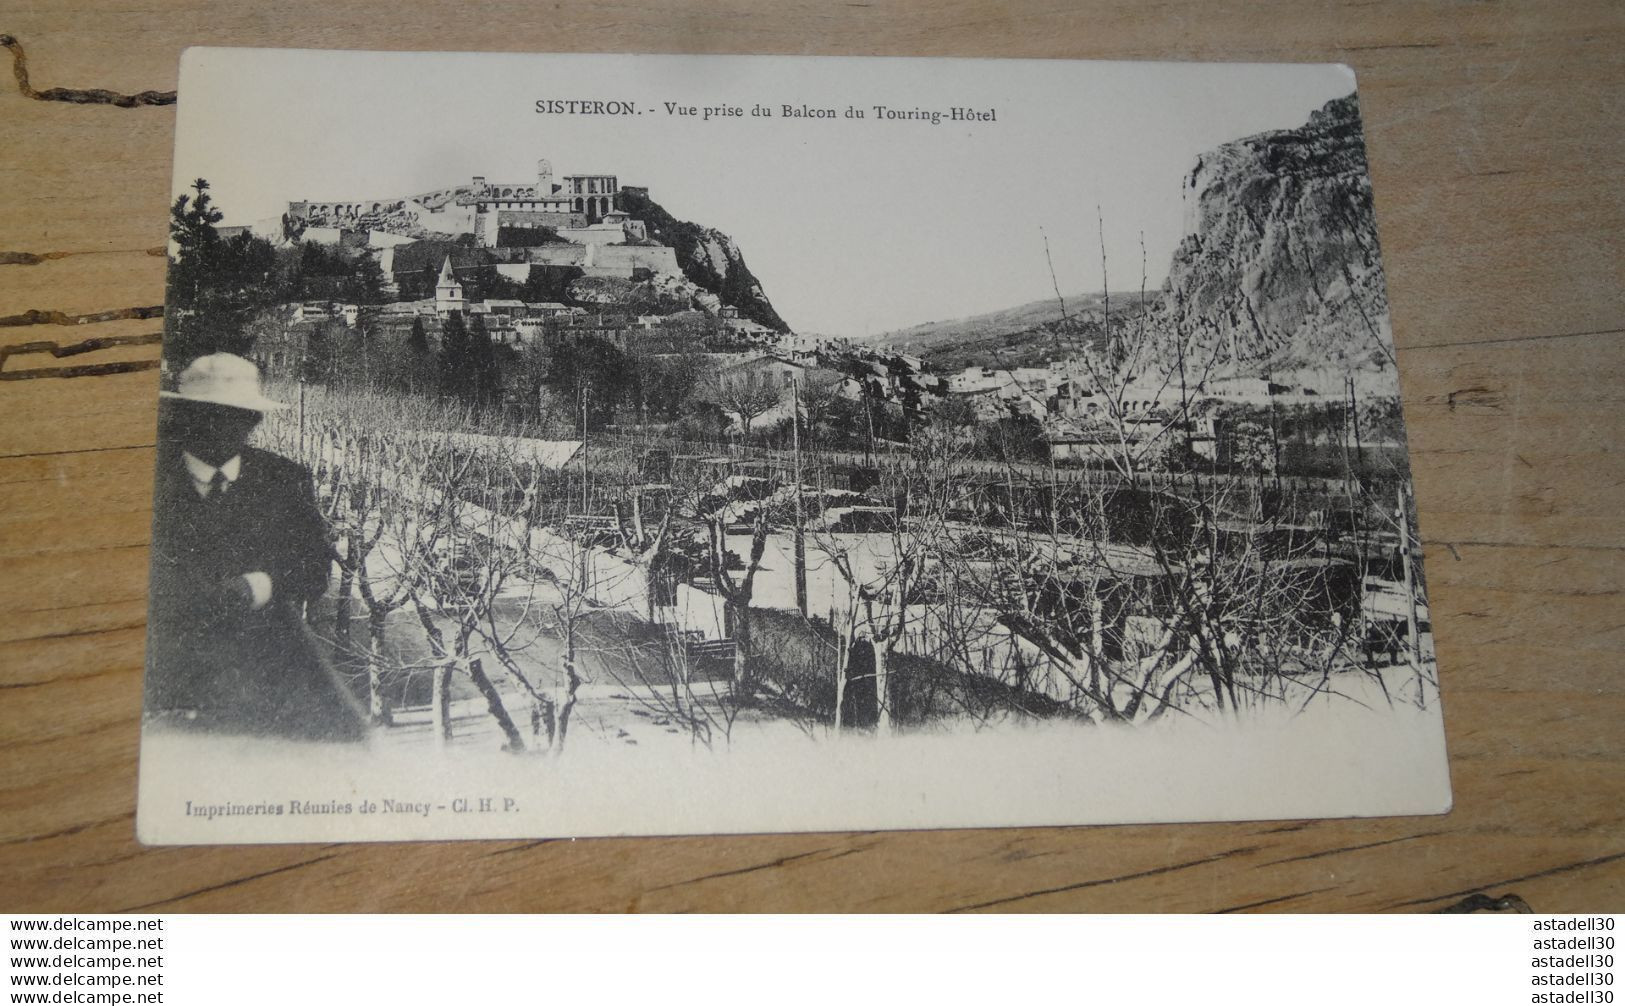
point(481, 207)
point(448, 293)
point(771, 370)
point(507, 308)
point(975, 380)
point(593, 195)
point(745, 326)
point(319, 311)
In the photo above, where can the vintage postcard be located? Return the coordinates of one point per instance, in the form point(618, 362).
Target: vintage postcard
point(600, 445)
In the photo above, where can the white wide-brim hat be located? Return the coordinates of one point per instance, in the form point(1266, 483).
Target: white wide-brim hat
point(222, 379)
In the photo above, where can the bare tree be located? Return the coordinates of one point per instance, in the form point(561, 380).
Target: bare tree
point(736, 592)
point(748, 395)
point(889, 575)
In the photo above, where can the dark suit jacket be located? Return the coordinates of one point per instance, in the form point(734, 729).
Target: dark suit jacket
point(239, 670)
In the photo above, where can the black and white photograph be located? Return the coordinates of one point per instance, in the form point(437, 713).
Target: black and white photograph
point(568, 445)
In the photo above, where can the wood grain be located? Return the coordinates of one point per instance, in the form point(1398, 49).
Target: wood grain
point(1495, 136)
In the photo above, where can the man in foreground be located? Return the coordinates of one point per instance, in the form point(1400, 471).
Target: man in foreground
point(239, 548)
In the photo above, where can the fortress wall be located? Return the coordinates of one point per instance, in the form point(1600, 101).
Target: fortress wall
point(625, 258)
point(596, 235)
point(316, 209)
point(489, 221)
point(557, 255)
point(539, 218)
point(436, 199)
point(451, 220)
point(384, 239)
point(270, 228)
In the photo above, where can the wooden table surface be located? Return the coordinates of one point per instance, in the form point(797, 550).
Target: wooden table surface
point(1495, 136)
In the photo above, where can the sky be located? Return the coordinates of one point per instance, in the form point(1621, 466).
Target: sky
point(854, 227)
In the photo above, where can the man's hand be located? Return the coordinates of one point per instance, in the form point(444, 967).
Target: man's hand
point(259, 585)
point(248, 592)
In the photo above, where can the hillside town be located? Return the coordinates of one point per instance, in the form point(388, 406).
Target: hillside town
point(597, 406)
point(482, 251)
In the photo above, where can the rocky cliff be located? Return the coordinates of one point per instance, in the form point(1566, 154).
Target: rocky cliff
point(709, 258)
point(1278, 270)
